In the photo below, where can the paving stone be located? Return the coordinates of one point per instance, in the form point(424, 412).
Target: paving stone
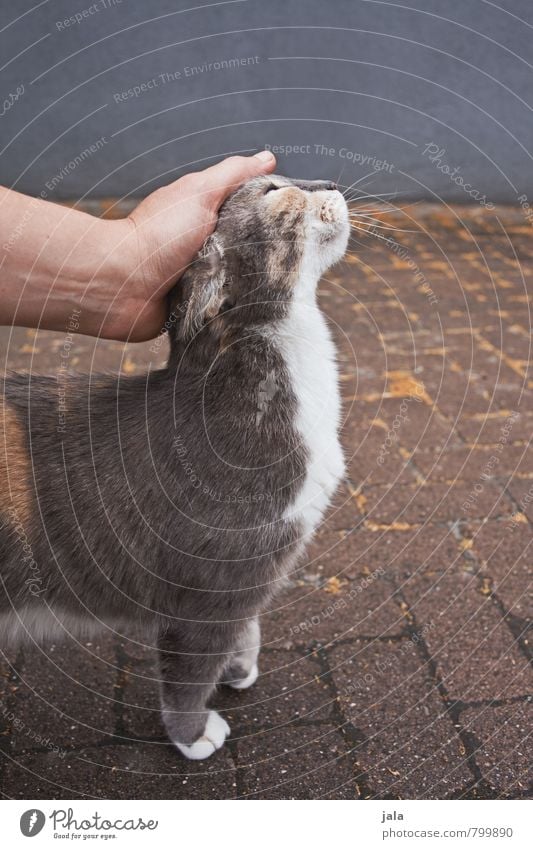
point(471, 462)
point(506, 553)
point(290, 687)
point(432, 501)
point(385, 688)
point(522, 494)
point(375, 462)
point(411, 551)
point(414, 425)
point(476, 654)
point(460, 394)
point(139, 771)
point(345, 608)
point(343, 514)
point(503, 737)
point(286, 740)
point(65, 697)
point(299, 763)
point(488, 428)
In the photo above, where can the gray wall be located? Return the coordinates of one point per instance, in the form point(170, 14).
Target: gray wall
point(360, 88)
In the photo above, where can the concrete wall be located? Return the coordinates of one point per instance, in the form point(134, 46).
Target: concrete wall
point(405, 97)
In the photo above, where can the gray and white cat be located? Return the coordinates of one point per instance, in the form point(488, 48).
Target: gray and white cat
point(180, 500)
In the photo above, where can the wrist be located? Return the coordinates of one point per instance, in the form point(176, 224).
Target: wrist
point(106, 277)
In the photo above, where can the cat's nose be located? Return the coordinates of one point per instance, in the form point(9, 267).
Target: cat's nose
point(316, 185)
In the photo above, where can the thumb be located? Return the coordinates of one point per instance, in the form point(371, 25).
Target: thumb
point(224, 177)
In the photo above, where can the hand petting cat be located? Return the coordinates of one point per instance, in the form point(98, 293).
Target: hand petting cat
point(117, 273)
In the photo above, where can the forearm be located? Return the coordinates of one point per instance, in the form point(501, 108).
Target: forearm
point(54, 259)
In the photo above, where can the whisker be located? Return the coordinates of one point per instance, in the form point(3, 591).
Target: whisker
point(391, 195)
point(380, 195)
point(360, 244)
point(355, 244)
point(343, 166)
point(374, 235)
point(351, 187)
point(373, 223)
point(377, 205)
point(383, 209)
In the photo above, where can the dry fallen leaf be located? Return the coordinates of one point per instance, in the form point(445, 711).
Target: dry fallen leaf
point(333, 586)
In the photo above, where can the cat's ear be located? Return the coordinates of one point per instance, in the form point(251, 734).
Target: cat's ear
point(208, 278)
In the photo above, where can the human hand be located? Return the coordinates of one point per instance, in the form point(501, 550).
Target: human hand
point(171, 225)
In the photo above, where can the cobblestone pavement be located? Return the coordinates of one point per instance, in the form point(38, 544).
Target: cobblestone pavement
point(398, 664)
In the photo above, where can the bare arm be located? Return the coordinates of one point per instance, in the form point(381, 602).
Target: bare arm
point(117, 273)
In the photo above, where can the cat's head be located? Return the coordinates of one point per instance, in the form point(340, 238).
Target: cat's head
point(274, 239)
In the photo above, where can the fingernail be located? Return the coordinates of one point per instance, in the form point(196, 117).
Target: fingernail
point(265, 156)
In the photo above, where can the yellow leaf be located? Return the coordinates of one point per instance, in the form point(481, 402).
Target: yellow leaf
point(333, 586)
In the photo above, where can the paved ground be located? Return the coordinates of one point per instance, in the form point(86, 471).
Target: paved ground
point(399, 664)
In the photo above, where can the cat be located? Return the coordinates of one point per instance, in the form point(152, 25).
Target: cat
point(180, 500)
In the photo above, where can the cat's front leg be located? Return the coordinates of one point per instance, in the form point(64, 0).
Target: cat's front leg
point(242, 670)
point(191, 660)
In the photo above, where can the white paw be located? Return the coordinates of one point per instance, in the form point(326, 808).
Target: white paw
point(216, 731)
point(244, 683)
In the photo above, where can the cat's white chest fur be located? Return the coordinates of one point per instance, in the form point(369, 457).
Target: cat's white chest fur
point(310, 358)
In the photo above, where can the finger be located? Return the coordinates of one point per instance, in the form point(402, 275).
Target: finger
point(222, 179)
